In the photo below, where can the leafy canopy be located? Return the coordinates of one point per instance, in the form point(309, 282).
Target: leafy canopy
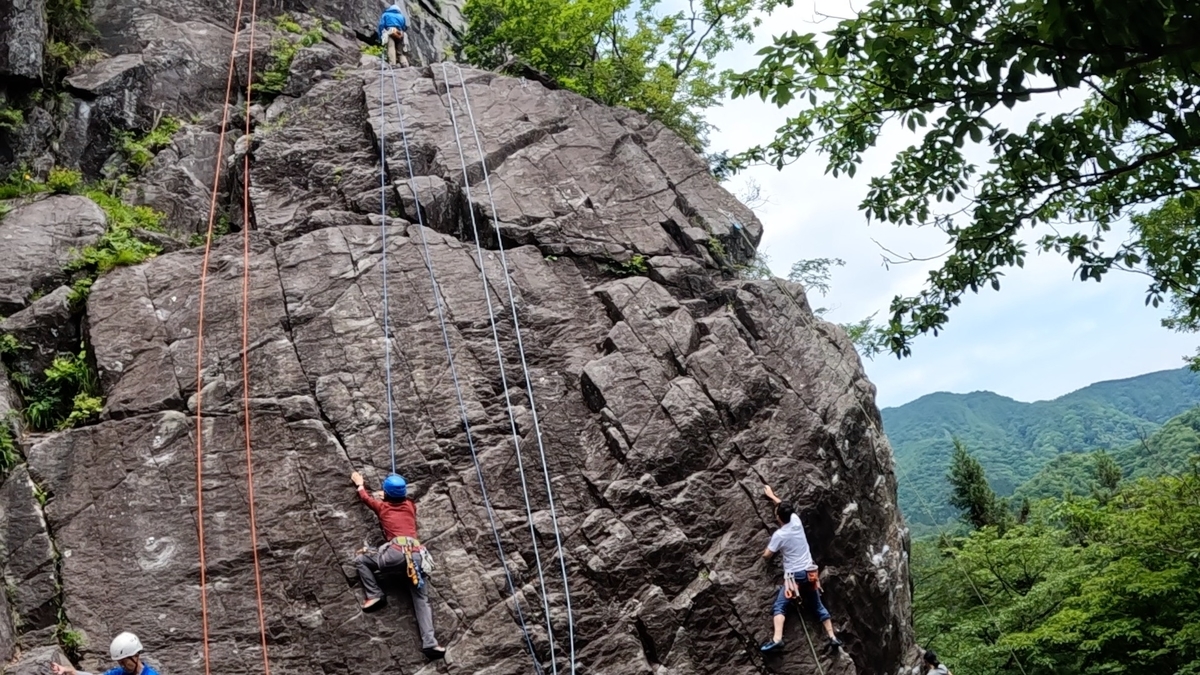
point(943, 68)
point(618, 52)
point(1088, 587)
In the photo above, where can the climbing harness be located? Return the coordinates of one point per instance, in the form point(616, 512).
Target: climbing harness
point(245, 356)
point(439, 305)
point(504, 384)
point(512, 303)
point(408, 546)
point(790, 590)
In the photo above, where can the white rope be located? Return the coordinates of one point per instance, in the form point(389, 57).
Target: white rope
point(512, 302)
point(512, 420)
point(440, 306)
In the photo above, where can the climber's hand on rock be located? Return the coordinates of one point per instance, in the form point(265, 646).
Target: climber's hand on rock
point(59, 669)
point(356, 478)
point(770, 493)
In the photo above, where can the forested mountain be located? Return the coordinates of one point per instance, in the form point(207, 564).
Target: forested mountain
point(1167, 451)
point(1014, 440)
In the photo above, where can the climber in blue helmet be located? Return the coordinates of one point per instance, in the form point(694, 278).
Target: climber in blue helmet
point(393, 28)
point(403, 554)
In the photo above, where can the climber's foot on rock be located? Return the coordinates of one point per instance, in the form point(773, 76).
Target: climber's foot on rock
point(772, 645)
point(372, 604)
point(434, 653)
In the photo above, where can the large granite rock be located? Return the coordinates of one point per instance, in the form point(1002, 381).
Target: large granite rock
point(37, 240)
point(22, 35)
point(27, 555)
point(36, 661)
point(667, 392)
point(44, 329)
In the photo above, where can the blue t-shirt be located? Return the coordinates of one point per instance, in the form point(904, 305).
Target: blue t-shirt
point(147, 669)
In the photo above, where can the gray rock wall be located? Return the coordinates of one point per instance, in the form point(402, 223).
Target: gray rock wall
point(668, 390)
point(22, 33)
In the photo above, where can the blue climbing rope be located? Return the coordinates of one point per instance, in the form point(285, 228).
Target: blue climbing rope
point(512, 420)
point(387, 327)
point(512, 302)
point(440, 307)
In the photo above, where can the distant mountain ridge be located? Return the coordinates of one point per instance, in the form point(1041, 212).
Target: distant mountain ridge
point(1014, 440)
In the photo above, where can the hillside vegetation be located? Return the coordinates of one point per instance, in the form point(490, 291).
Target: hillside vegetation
point(1014, 440)
point(1087, 585)
point(1167, 451)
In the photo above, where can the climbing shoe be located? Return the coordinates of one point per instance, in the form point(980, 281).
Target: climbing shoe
point(373, 604)
point(832, 644)
point(434, 653)
point(772, 645)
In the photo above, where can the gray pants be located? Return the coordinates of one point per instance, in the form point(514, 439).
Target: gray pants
point(391, 561)
point(391, 41)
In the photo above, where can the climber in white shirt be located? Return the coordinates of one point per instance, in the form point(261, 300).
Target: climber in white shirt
point(800, 577)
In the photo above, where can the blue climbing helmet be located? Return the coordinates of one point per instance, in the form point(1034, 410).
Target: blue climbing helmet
point(395, 486)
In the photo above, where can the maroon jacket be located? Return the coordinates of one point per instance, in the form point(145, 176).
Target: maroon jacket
point(398, 519)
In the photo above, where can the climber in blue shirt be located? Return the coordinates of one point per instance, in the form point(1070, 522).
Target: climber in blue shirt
point(126, 650)
point(393, 28)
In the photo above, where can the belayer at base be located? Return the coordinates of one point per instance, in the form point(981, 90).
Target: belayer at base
point(126, 650)
point(402, 554)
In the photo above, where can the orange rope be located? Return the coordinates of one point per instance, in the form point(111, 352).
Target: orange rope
point(262, 622)
point(212, 214)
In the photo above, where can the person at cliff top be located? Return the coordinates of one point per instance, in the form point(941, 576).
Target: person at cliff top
point(126, 650)
point(933, 666)
point(800, 578)
point(393, 28)
point(402, 554)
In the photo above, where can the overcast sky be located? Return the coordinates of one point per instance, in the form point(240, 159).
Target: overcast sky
point(1043, 335)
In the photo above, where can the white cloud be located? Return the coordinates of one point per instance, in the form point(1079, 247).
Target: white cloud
point(1043, 335)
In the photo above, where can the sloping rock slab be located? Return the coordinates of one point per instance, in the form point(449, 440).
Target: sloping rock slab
point(36, 241)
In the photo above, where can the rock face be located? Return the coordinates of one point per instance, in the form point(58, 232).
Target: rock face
point(169, 58)
point(22, 33)
point(36, 241)
point(661, 390)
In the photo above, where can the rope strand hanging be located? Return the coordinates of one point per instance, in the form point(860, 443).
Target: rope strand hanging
point(512, 302)
point(387, 325)
point(199, 430)
point(512, 420)
point(439, 305)
point(245, 334)
point(258, 595)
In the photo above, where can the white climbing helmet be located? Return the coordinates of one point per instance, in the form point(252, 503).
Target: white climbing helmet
point(124, 646)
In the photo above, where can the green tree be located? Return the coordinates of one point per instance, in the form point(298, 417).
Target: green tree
point(943, 68)
point(1137, 608)
point(1108, 476)
point(971, 493)
point(618, 52)
point(1086, 588)
point(816, 274)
